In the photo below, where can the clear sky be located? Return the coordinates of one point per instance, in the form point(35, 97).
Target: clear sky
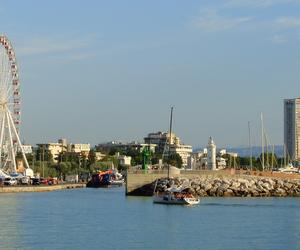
point(95, 71)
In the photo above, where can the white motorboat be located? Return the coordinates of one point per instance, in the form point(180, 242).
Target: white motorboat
point(288, 169)
point(175, 197)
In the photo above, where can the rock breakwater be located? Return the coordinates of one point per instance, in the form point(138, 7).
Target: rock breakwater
point(233, 186)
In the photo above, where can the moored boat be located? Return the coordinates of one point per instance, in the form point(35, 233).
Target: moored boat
point(108, 178)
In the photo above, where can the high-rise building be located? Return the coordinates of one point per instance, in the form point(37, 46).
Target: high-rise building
point(292, 128)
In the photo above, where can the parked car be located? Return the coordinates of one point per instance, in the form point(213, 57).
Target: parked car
point(10, 181)
point(35, 181)
point(25, 180)
point(44, 181)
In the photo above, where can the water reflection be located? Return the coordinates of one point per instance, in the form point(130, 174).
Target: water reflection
point(106, 218)
point(10, 221)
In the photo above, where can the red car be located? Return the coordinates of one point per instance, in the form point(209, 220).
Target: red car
point(44, 181)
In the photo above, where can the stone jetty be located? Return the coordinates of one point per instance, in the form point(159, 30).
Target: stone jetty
point(245, 186)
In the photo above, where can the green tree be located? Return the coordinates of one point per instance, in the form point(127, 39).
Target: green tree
point(175, 160)
point(43, 155)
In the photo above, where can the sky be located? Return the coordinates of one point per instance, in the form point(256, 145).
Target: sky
point(94, 71)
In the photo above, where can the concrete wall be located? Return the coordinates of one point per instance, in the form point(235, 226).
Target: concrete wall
point(139, 178)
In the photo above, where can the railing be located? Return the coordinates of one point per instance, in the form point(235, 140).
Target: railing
point(226, 172)
point(148, 171)
point(182, 172)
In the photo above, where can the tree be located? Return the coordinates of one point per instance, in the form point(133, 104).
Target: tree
point(175, 160)
point(156, 157)
point(91, 157)
point(43, 155)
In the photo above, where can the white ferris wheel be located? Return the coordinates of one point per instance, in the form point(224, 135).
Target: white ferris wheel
point(10, 109)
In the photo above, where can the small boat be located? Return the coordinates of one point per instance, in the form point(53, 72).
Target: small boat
point(175, 196)
point(290, 169)
point(108, 178)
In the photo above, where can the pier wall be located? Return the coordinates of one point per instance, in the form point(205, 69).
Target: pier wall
point(140, 182)
point(137, 179)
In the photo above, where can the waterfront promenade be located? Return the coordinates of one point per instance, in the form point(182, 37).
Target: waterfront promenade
point(40, 188)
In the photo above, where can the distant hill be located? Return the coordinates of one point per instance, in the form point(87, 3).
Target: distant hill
point(256, 150)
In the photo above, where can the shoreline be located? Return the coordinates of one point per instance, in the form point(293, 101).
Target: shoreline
point(40, 188)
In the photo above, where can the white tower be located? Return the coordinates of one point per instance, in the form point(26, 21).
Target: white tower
point(211, 155)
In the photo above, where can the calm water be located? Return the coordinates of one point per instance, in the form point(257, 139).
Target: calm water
point(106, 219)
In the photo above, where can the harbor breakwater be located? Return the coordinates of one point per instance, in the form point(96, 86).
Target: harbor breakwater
point(246, 186)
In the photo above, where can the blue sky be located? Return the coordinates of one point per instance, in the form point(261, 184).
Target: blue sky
point(95, 71)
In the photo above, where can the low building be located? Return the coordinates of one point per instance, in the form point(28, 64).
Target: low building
point(80, 148)
point(27, 149)
point(221, 162)
point(124, 160)
point(120, 146)
point(99, 156)
point(54, 148)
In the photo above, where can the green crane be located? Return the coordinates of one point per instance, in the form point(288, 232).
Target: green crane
point(146, 157)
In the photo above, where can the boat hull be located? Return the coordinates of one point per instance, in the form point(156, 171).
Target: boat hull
point(175, 201)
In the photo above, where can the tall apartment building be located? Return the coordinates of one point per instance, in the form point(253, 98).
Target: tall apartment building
point(292, 128)
point(162, 138)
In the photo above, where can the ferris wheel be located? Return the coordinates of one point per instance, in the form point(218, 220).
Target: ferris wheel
point(10, 109)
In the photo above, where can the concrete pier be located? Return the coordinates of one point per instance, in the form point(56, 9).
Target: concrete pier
point(141, 178)
point(140, 183)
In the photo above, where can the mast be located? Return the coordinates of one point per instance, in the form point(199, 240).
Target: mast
point(262, 143)
point(273, 154)
point(170, 135)
point(250, 147)
point(267, 152)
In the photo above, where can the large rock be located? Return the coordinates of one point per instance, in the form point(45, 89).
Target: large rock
point(229, 186)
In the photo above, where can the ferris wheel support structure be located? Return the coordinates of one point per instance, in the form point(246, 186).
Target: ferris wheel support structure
point(10, 106)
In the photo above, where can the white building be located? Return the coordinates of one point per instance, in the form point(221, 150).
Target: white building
point(221, 163)
point(80, 148)
point(55, 148)
point(27, 148)
point(183, 150)
point(163, 139)
point(99, 156)
point(124, 160)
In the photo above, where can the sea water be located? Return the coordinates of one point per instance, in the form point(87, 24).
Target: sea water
point(107, 219)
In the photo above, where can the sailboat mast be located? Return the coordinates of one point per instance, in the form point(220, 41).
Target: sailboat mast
point(262, 143)
point(170, 137)
point(250, 147)
point(273, 155)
